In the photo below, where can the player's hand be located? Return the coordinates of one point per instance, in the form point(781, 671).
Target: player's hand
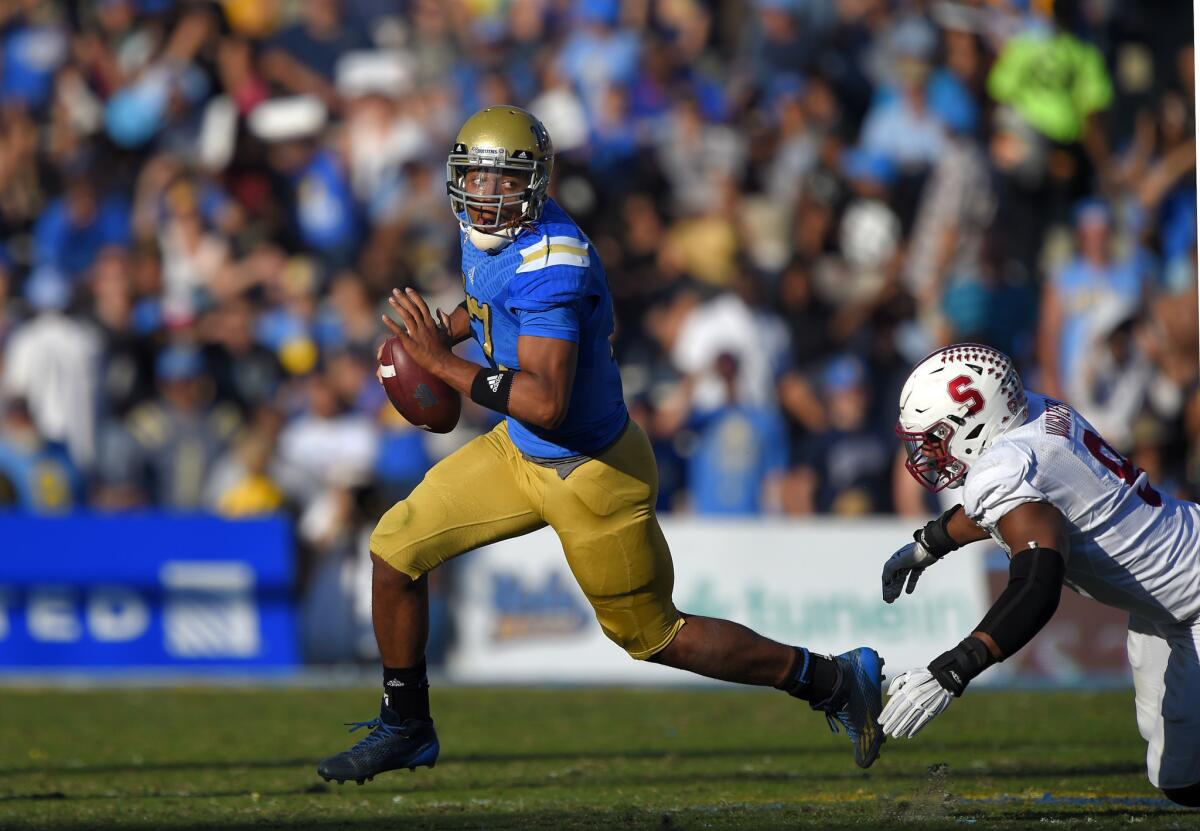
point(425, 339)
point(907, 564)
point(915, 698)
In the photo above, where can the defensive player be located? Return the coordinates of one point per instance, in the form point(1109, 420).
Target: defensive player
point(1068, 509)
point(567, 455)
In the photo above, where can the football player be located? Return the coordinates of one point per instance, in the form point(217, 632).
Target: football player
point(567, 456)
point(1069, 510)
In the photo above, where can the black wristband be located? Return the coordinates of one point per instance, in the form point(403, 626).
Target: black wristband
point(934, 536)
point(492, 387)
point(955, 669)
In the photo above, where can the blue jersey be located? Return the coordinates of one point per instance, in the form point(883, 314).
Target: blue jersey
point(549, 283)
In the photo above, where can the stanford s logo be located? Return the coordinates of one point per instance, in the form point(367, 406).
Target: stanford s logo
point(962, 392)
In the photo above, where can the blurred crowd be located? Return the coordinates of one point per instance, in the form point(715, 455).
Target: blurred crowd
point(204, 204)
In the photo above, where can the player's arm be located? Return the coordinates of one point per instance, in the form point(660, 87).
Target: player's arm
point(1036, 534)
point(538, 393)
point(937, 538)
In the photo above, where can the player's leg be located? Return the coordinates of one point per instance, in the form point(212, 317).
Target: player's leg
point(1179, 763)
point(467, 500)
point(604, 514)
point(1166, 680)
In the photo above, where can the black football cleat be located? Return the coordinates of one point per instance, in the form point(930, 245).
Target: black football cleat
point(392, 743)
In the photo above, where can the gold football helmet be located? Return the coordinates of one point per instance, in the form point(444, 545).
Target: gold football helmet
point(499, 170)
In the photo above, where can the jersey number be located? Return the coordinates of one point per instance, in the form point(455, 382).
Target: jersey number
point(1121, 466)
point(961, 392)
point(483, 314)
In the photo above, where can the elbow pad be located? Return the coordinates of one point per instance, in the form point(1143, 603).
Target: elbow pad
point(1035, 580)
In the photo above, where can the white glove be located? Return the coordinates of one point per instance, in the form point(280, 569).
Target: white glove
point(907, 563)
point(914, 699)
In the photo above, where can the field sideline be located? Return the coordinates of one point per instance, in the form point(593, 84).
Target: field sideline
point(557, 759)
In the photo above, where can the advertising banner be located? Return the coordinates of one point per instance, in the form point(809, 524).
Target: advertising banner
point(151, 592)
point(520, 617)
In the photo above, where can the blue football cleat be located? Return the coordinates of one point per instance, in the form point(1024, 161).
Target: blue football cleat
point(856, 702)
point(391, 744)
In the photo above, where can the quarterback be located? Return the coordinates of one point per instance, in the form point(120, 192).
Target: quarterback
point(1069, 510)
point(567, 456)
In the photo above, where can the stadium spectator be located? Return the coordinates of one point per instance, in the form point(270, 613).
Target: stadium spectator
point(740, 453)
point(846, 469)
point(75, 226)
point(50, 361)
point(40, 474)
point(1070, 299)
point(235, 187)
point(303, 57)
point(1115, 374)
point(327, 446)
point(902, 124)
point(241, 484)
point(1061, 104)
point(164, 451)
point(126, 365)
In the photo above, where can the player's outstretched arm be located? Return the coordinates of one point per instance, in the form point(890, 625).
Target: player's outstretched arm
point(1036, 534)
point(935, 540)
point(539, 393)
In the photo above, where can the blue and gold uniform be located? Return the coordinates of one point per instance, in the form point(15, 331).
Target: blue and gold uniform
point(549, 283)
point(529, 272)
point(593, 478)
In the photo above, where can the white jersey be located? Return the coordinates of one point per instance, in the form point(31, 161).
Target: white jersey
point(1131, 546)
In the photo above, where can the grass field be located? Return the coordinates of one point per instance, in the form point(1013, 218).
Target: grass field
point(551, 759)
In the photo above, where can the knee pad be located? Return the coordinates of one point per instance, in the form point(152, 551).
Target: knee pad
point(390, 542)
point(1187, 796)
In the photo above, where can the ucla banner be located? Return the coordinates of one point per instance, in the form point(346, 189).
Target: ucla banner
point(154, 592)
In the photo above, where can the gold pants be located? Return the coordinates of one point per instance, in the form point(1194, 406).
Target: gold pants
point(603, 513)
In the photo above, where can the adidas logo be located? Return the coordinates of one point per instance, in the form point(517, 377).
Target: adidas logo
point(394, 683)
point(494, 382)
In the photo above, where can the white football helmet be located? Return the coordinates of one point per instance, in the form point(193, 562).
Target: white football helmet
point(953, 406)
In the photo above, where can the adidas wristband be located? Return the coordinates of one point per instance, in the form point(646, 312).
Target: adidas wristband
point(492, 387)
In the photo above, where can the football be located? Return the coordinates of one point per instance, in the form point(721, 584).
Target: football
point(421, 397)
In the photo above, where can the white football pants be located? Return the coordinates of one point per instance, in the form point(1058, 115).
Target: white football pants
point(1166, 683)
